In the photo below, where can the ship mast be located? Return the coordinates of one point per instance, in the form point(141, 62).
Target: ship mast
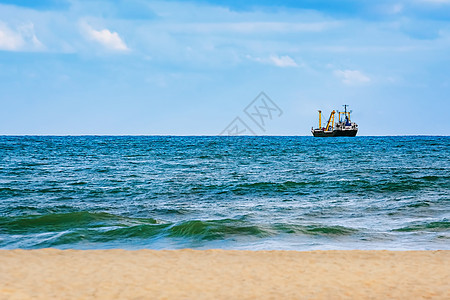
point(347, 114)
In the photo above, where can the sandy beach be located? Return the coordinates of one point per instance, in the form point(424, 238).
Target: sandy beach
point(221, 274)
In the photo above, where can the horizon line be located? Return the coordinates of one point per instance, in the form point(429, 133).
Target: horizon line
point(194, 135)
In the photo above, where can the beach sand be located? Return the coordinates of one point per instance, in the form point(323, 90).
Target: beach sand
point(222, 274)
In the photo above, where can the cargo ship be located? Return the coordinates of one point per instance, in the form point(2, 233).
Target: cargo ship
point(343, 126)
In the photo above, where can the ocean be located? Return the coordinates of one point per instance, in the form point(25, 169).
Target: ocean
point(254, 193)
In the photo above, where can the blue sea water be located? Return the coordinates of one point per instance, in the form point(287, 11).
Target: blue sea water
point(296, 193)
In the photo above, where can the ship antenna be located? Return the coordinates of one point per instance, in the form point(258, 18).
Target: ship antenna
point(345, 107)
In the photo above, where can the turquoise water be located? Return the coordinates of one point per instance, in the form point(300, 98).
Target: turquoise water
point(298, 193)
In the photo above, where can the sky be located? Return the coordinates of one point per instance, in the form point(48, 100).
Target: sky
point(136, 67)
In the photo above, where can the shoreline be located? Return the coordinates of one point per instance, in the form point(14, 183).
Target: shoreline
point(224, 274)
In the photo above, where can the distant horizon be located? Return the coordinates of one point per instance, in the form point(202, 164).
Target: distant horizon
point(224, 136)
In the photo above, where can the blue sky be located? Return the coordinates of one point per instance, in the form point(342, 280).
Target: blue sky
point(191, 67)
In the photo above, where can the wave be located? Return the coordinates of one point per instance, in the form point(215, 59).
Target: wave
point(216, 229)
point(347, 186)
point(423, 203)
point(401, 186)
point(64, 221)
point(426, 226)
point(430, 178)
point(249, 188)
point(388, 186)
point(316, 229)
point(90, 227)
point(272, 186)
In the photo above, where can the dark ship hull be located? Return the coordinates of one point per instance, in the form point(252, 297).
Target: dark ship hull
point(336, 132)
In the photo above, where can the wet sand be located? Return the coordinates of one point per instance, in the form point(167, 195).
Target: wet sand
point(221, 274)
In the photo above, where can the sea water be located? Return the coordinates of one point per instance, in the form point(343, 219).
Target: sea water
point(296, 193)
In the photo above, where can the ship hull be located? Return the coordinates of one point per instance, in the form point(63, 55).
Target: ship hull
point(322, 133)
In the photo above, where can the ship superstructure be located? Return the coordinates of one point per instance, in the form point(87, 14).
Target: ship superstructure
point(343, 127)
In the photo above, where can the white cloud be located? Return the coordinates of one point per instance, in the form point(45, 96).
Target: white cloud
point(109, 40)
point(279, 61)
point(21, 39)
point(351, 77)
point(283, 61)
point(10, 40)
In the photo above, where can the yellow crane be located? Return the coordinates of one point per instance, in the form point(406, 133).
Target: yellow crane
point(330, 121)
point(320, 119)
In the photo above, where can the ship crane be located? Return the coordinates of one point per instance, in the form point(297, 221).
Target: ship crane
point(330, 123)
